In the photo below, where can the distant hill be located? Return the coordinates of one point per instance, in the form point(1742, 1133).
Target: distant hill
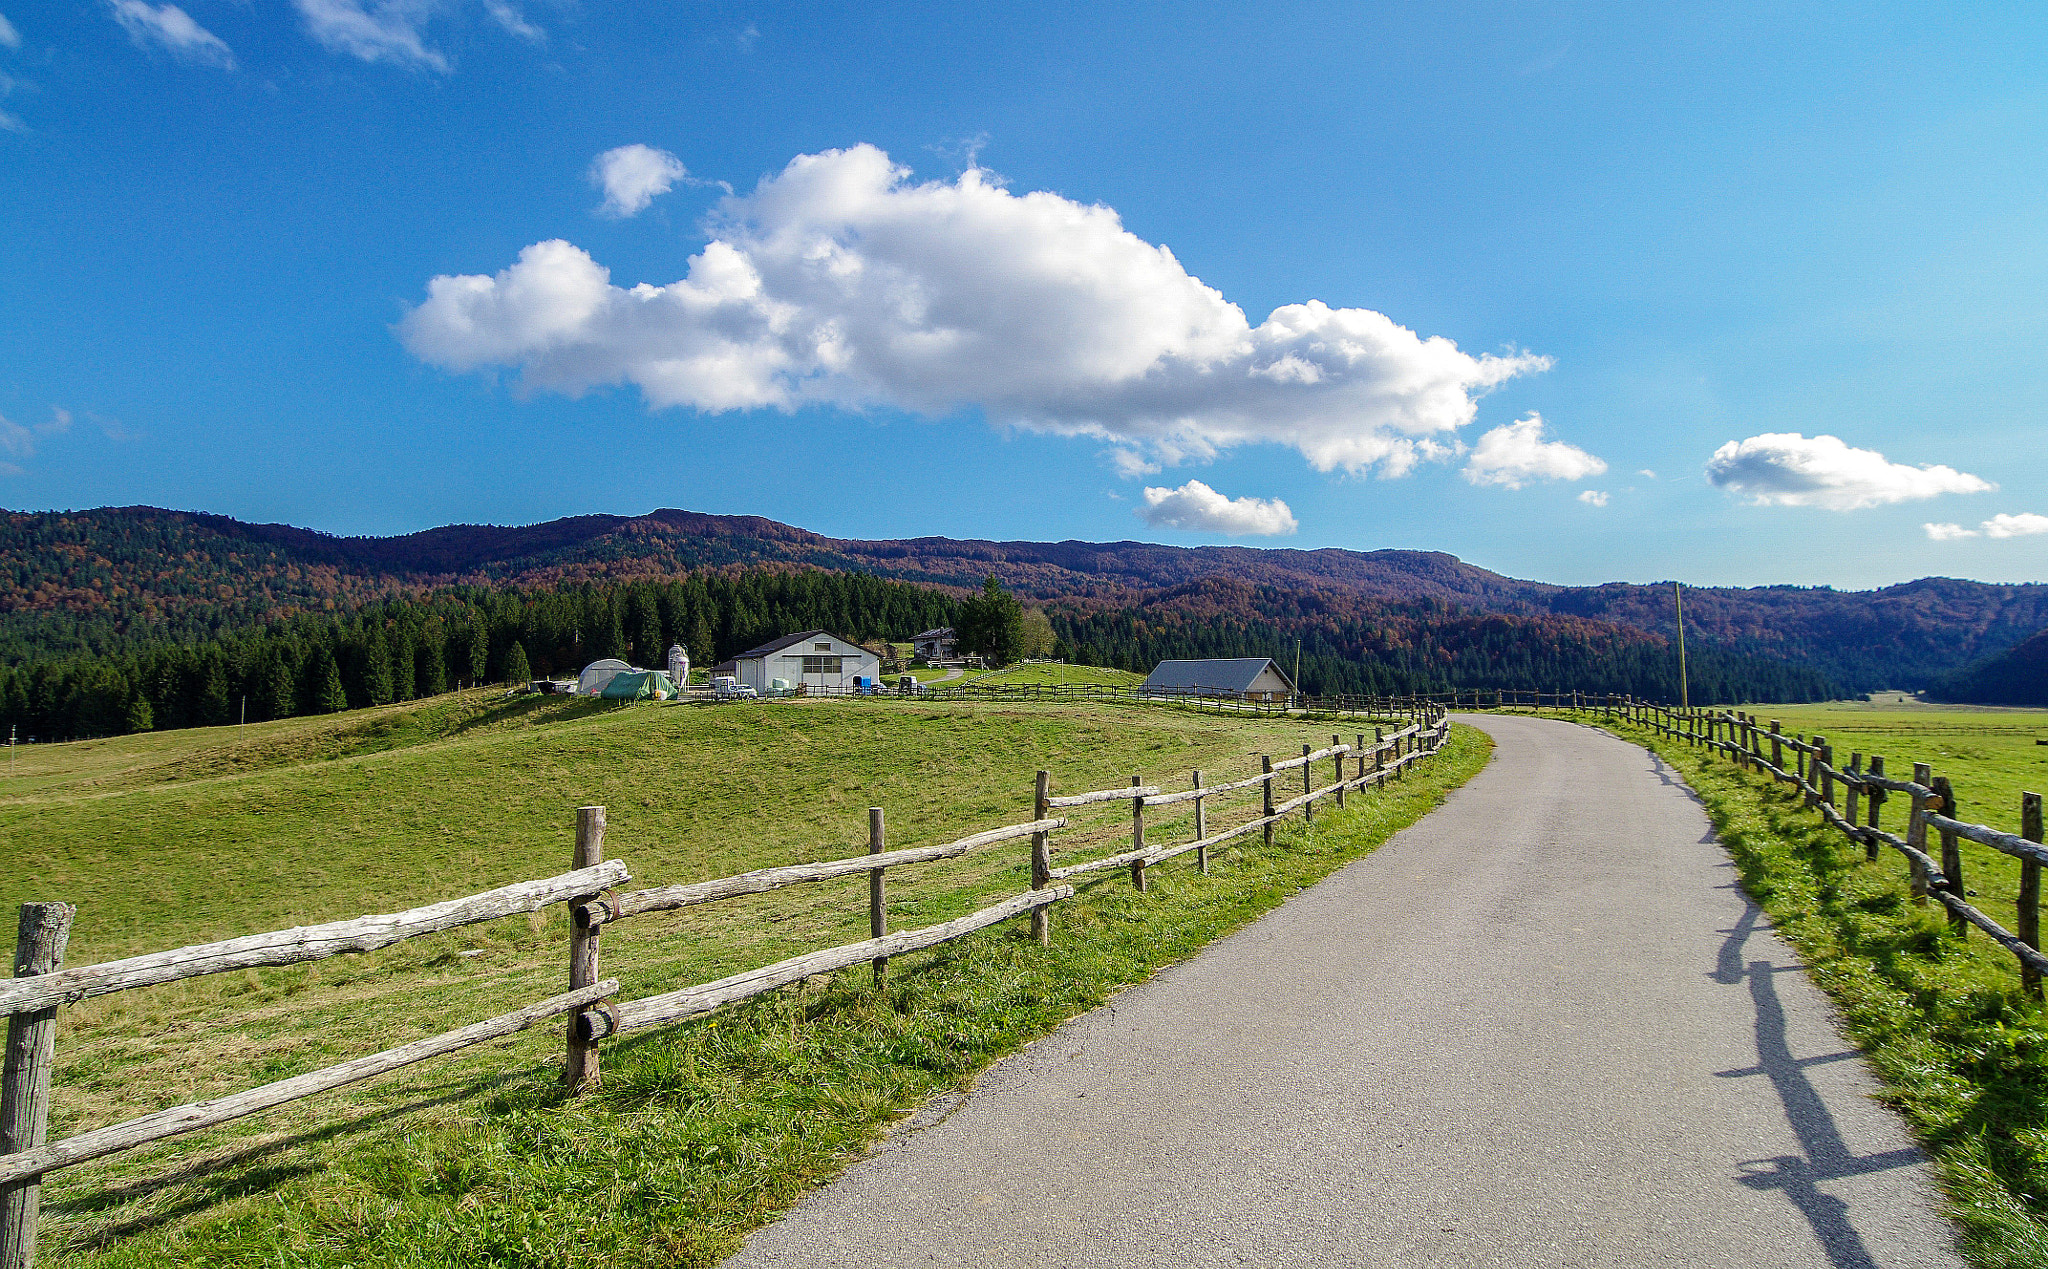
point(91, 580)
point(2017, 676)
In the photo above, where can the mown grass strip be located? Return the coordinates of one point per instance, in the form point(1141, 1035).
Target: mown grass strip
point(706, 1130)
point(1962, 1055)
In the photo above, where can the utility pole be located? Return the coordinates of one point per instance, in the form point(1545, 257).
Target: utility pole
point(1684, 692)
point(1297, 667)
point(245, 711)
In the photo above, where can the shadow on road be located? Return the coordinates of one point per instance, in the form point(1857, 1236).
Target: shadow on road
point(1826, 1156)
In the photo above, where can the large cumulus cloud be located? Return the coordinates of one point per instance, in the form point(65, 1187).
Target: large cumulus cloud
point(842, 281)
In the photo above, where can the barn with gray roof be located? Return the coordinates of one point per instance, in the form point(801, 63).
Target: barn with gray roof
point(1246, 678)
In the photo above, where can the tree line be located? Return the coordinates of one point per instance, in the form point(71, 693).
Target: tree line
point(400, 649)
point(405, 649)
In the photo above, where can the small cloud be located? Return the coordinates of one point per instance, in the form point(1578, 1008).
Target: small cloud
point(16, 441)
point(380, 31)
point(632, 176)
point(60, 421)
point(173, 30)
point(508, 17)
point(1198, 507)
point(1948, 532)
point(1593, 497)
point(746, 39)
point(1646, 473)
point(1786, 469)
point(9, 37)
point(2024, 525)
point(1130, 464)
point(11, 123)
point(1514, 455)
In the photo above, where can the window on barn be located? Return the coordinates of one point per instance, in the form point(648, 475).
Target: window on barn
point(821, 665)
point(823, 647)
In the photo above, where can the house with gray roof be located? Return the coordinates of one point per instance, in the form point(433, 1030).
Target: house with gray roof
point(1245, 678)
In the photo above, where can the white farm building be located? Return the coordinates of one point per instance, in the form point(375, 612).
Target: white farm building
point(814, 658)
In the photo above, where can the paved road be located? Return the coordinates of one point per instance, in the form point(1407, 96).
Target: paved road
point(1541, 1027)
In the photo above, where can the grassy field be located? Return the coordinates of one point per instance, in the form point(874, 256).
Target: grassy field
point(1963, 1055)
point(1051, 674)
point(701, 1131)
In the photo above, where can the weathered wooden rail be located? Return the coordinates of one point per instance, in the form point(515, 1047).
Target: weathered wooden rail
point(42, 984)
point(1851, 799)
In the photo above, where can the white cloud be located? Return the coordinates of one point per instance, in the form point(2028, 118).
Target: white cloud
point(632, 176)
point(1593, 497)
point(1196, 506)
point(2025, 524)
point(1948, 532)
point(373, 30)
point(1516, 453)
point(9, 37)
point(1786, 469)
point(16, 441)
point(1130, 464)
point(60, 420)
point(173, 30)
point(1646, 472)
point(513, 21)
point(841, 281)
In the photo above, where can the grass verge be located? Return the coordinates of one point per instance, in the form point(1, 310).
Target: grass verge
point(1962, 1054)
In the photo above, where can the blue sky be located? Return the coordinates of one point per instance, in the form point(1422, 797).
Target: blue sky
point(1731, 293)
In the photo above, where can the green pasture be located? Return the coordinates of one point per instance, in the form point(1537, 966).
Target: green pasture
point(1052, 674)
point(701, 1131)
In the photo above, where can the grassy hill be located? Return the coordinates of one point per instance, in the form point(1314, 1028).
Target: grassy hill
point(701, 1131)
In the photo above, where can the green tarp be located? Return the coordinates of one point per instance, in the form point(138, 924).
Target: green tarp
point(639, 686)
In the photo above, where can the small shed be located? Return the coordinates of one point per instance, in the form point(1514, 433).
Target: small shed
point(1245, 678)
point(814, 658)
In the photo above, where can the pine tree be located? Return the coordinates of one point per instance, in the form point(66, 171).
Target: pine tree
point(279, 691)
point(402, 671)
point(479, 649)
point(430, 668)
point(702, 651)
point(140, 716)
point(328, 695)
point(516, 670)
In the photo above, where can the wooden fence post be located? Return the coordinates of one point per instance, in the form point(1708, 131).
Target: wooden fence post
point(1138, 837)
point(1876, 800)
point(1853, 789)
point(580, 1069)
point(1308, 786)
point(878, 896)
point(1826, 758)
point(1916, 832)
point(1041, 861)
point(1334, 742)
point(2030, 891)
point(39, 942)
point(1379, 754)
point(1777, 745)
point(1952, 855)
point(1201, 830)
point(1266, 785)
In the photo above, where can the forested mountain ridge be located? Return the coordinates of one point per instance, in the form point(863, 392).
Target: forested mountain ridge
point(94, 580)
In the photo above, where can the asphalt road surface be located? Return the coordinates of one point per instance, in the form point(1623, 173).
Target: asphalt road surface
point(1541, 1027)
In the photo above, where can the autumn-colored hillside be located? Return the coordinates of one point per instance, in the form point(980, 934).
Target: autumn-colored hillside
point(97, 579)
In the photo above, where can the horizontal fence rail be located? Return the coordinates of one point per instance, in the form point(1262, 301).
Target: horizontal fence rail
point(590, 891)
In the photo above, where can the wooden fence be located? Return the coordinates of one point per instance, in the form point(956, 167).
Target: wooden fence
point(1851, 798)
point(42, 983)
